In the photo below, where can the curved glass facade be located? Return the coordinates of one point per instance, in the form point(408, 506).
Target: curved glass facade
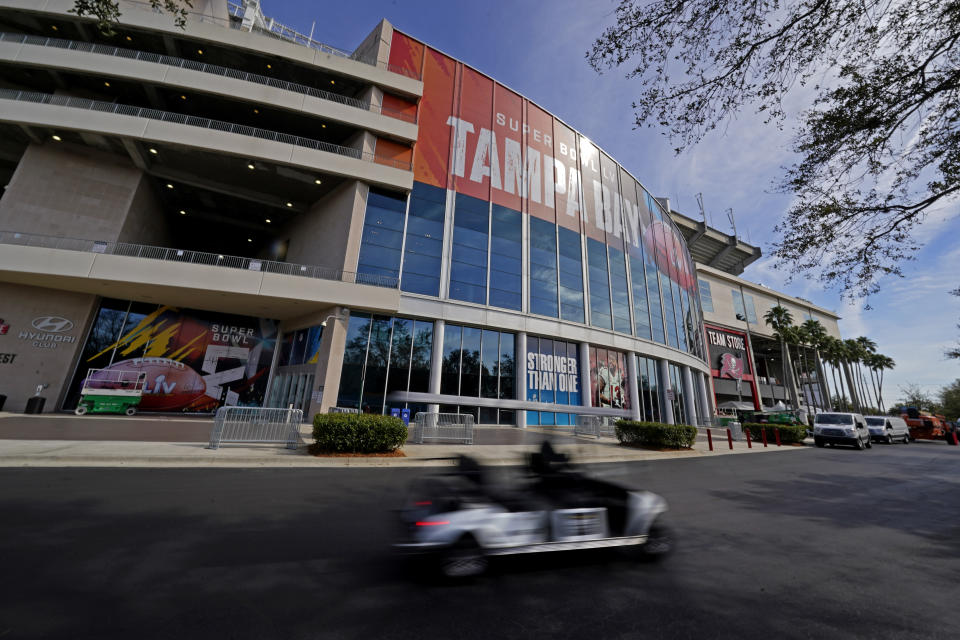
point(527, 214)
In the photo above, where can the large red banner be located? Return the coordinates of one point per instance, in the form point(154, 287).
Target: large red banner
point(483, 140)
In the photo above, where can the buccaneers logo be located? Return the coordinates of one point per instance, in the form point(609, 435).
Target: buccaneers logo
point(731, 366)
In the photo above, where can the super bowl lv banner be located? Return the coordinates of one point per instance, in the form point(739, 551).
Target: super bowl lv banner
point(194, 360)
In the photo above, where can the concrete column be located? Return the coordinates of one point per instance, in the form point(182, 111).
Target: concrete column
point(436, 362)
point(705, 397)
point(666, 405)
point(633, 385)
point(689, 399)
point(520, 365)
point(586, 391)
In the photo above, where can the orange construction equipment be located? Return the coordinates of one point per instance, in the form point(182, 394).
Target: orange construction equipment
point(927, 426)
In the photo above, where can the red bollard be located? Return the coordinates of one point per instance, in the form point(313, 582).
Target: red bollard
point(749, 445)
point(709, 440)
point(730, 439)
point(776, 432)
point(954, 434)
point(763, 434)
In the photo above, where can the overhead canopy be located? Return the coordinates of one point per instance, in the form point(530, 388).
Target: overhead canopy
point(733, 404)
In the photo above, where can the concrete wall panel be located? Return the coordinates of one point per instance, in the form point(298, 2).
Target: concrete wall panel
point(30, 356)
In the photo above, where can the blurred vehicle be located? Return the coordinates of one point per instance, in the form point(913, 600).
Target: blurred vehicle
point(888, 429)
point(841, 428)
point(927, 426)
point(771, 416)
point(461, 518)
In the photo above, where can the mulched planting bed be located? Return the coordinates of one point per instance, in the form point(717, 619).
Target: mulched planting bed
point(332, 454)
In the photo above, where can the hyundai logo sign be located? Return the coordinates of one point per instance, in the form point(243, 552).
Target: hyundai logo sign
point(52, 324)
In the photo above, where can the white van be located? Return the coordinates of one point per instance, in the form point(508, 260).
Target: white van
point(888, 429)
point(841, 428)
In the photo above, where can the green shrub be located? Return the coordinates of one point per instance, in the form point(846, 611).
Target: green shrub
point(789, 434)
point(655, 434)
point(358, 433)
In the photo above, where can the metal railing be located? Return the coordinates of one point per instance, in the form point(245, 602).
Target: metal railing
point(278, 31)
point(193, 65)
point(195, 257)
point(195, 121)
point(597, 426)
point(256, 425)
point(443, 426)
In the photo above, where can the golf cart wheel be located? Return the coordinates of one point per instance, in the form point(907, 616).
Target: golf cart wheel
point(463, 561)
point(131, 411)
point(660, 542)
point(81, 409)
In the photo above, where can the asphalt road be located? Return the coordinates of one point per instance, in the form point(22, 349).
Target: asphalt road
point(814, 543)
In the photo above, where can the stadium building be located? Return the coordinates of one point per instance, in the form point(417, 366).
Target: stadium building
point(252, 217)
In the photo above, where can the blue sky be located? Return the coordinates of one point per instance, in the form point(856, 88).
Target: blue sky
point(538, 49)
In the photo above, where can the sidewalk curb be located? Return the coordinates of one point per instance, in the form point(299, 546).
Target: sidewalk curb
point(55, 453)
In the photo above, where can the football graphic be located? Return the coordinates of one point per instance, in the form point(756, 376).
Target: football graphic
point(663, 241)
point(169, 385)
point(731, 366)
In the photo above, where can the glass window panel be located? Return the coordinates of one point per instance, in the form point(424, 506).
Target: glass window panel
point(738, 309)
point(571, 275)
point(468, 269)
point(543, 267)
point(400, 347)
point(420, 357)
point(488, 415)
point(508, 370)
point(621, 297)
point(470, 371)
point(375, 373)
point(490, 364)
point(450, 377)
point(506, 268)
point(354, 357)
point(706, 299)
point(533, 392)
point(505, 299)
point(751, 308)
point(574, 396)
point(382, 234)
point(678, 311)
point(546, 356)
point(424, 242)
point(599, 284)
point(653, 300)
point(668, 313)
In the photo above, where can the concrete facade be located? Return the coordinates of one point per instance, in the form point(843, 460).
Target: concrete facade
point(45, 331)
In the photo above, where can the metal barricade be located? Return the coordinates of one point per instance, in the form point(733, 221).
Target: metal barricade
point(443, 426)
point(598, 426)
point(256, 425)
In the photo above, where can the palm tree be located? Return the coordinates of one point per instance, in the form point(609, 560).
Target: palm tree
point(780, 320)
point(867, 348)
point(881, 362)
point(851, 353)
point(833, 352)
point(801, 340)
point(818, 336)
